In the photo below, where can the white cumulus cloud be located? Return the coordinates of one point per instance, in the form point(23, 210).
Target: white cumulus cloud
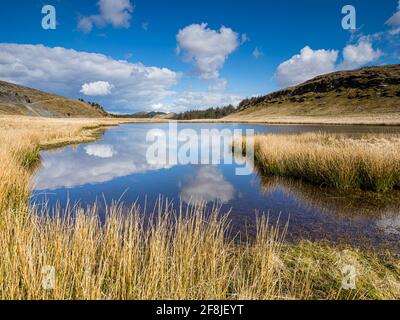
point(355, 56)
point(311, 63)
point(200, 100)
point(98, 88)
point(306, 65)
point(118, 13)
point(208, 49)
point(64, 71)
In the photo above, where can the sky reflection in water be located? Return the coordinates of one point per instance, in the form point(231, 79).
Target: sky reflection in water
point(116, 166)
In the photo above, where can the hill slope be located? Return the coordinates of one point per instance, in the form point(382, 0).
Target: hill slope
point(367, 91)
point(20, 100)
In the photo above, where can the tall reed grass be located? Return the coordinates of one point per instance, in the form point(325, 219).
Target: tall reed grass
point(370, 162)
point(174, 254)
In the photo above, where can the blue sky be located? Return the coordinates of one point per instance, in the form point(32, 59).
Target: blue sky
point(178, 55)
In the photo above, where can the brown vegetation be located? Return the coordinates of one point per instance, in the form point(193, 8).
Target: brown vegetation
point(367, 92)
point(371, 162)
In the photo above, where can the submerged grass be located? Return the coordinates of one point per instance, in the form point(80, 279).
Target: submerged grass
point(370, 162)
point(175, 254)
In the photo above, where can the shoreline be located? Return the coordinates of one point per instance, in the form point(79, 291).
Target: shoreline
point(305, 121)
point(388, 121)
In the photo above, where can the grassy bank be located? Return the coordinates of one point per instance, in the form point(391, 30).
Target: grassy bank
point(389, 120)
point(184, 255)
point(261, 117)
point(371, 162)
point(21, 139)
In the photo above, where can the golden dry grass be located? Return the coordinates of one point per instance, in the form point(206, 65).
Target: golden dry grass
point(21, 139)
point(177, 255)
point(371, 162)
point(260, 117)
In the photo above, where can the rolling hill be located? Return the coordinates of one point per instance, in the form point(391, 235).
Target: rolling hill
point(20, 100)
point(363, 92)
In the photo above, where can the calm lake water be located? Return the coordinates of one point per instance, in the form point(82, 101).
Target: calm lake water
point(115, 167)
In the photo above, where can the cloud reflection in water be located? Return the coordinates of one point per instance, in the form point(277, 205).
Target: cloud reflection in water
point(208, 184)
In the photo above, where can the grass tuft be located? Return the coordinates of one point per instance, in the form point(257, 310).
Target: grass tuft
point(371, 162)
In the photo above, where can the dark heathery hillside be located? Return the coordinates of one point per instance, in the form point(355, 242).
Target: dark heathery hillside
point(210, 113)
point(142, 115)
point(367, 91)
point(20, 100)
